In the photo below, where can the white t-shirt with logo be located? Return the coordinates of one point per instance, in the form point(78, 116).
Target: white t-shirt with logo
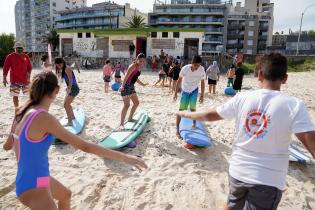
point(265, 122)
point(191, 79)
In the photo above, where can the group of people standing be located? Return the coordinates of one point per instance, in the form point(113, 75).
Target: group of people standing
point(33, 130)
point(259, 160)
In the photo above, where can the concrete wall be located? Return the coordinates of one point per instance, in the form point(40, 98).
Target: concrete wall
point(120, 54)
point(86, 47)
point(179, 43)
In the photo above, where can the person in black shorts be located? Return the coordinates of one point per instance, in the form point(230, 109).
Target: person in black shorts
point(166, 67)
point(175, 71)
point(239, 74)
point(170, 75)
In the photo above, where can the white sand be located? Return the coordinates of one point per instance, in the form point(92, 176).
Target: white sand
point(177, 178)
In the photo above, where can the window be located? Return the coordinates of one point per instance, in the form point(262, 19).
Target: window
point(164, 34)
point(250, 33)
point(251, 23)
point(249, 52)
point(88, 35)
point(175, 34)
point(79, 35)
point(153, 34)
point(54, 4)
point(250, 42)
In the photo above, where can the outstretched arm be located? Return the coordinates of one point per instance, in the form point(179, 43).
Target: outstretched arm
point(210, 115)
point(141, 83)
point(51, 125)
point(179, 81)
point(10, 140)
point(308, 139)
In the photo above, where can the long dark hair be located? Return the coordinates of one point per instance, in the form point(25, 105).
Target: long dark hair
point(43, 84)
point(60, 60)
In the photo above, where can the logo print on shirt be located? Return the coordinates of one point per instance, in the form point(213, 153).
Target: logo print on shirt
point(256, 124)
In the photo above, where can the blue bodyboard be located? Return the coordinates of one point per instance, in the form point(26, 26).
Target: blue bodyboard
point(195, 136)
point(229, 91)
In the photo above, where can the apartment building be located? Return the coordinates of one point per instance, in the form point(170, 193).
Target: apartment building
point(23, 22)
point(306, 44)
point(99, 16)
point(249, 28)
point(202, 14)
point(34, 18)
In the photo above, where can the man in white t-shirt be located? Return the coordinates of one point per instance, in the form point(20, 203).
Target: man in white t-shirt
point(190, 76)
point(265, 121)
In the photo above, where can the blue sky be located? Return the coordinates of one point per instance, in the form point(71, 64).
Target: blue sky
point(287, 13)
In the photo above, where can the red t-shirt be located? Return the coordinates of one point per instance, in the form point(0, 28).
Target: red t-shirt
point(20, 68)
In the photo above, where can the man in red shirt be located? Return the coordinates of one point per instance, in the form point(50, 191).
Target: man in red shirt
point(20, 67)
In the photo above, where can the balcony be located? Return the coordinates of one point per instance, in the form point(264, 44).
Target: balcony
point(175, 12)
point(186, 23)
point(82, 24)
point(234, 46)
point(261, 47)
point(263, 27)
point(43, 6)
point(40, 14)
point(84, 15)
point(263, 37)
point(235, 36)
point(236, 27)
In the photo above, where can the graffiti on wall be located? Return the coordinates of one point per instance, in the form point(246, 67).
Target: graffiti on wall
point(87, 48)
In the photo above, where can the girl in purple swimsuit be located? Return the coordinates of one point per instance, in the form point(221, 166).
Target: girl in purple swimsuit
point(128, 91)
point(31, 136)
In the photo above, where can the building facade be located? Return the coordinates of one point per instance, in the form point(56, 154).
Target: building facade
point(205, 14)
point(34, 18)
point(249, 28)
point(99, 16)
point(23, 23)
point(115, 43)
point(306, 45)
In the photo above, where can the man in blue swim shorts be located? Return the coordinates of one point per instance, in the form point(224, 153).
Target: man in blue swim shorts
point(190, 76)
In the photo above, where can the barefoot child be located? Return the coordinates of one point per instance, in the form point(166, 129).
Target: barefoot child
point(213, 74)
point(46, 66)
point(72, 87)
point(176, 71)
point(190, 76)
point(171, 75)
point(154, 63)
point(162, 76)
point(230, 75)
point(31, 135)
point(107, 72)
point(117, 72)
point(265, 120)
point(128, 91)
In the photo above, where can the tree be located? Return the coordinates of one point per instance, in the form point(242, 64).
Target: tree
point(6, 46)
point(311, 32)
point(52, 38)
point(136, 21)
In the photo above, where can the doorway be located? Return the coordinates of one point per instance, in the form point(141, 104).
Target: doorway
point(191, 48)
point(141, 45)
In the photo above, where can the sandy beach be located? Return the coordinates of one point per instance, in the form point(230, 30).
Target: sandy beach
point(177, 178)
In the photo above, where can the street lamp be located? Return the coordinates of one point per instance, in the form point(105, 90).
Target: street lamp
point(297, 46)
